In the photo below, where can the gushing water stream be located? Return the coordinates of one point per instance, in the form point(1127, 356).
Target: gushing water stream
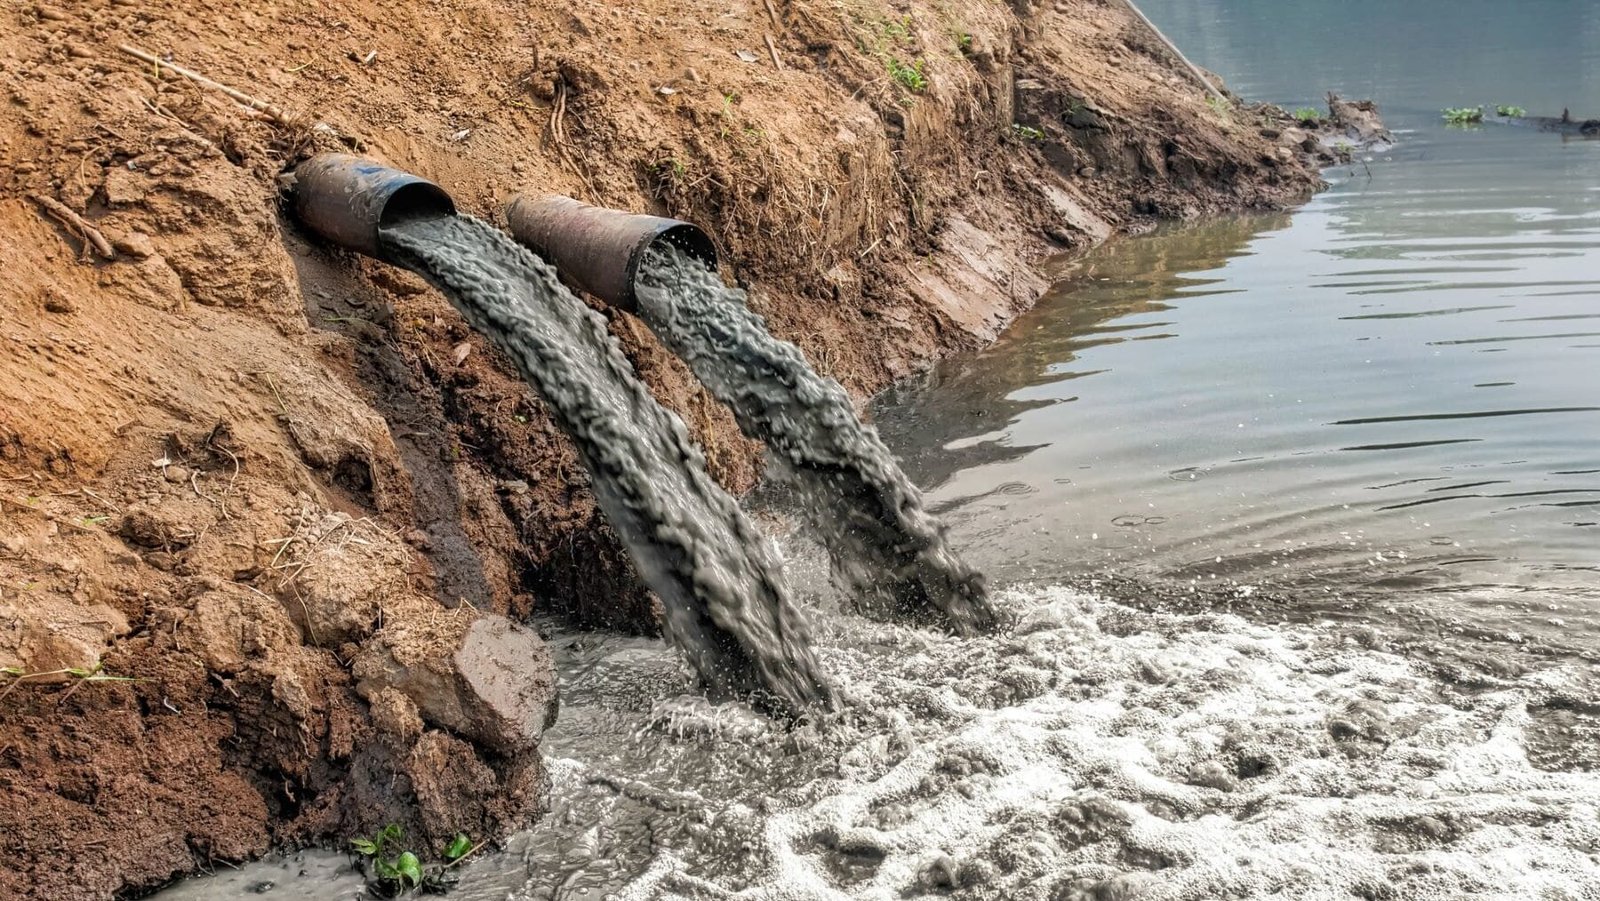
point(888, 552)
point(720, 579)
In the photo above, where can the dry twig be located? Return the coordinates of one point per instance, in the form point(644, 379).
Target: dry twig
point(64, 214)
point(268, 110)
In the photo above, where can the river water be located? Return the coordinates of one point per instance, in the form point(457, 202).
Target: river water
point(1397, 387)
point(1295, 519)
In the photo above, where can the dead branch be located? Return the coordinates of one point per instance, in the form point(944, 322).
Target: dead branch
point(64, 214)
point(275, 113)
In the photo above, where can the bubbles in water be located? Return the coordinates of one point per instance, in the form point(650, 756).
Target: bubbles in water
point(1096, 752)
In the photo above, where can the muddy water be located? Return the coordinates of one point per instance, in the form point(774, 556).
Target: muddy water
point(888, 553)
point(719, 578)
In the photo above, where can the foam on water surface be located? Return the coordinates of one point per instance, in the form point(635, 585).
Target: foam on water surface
point(1094, 751)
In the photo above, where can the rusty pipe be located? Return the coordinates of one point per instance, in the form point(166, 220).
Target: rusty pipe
point(350, 199)
point(597, 249)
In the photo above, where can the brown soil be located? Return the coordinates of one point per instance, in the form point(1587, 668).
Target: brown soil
point(291, 497)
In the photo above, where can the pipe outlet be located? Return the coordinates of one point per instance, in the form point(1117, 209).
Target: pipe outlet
point(349, 199)
point(599, 249)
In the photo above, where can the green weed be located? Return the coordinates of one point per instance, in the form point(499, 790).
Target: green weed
point(1513, 112)
point(1219, 105)
point(911, 77)
point(1027, 132)
point(393, 872)
point(1464, 115)
point(1307, 115)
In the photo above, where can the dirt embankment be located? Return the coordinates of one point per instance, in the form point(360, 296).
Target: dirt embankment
point(269, 512)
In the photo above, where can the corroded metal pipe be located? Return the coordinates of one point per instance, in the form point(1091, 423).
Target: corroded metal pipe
point(350, 199)
point(599, 249)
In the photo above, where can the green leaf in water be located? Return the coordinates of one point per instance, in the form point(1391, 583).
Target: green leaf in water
point(408, 868)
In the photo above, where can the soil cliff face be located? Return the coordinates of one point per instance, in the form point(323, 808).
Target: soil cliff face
point(269, 512)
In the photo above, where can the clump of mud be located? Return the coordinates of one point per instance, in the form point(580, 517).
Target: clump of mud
point(888, 552)
point(1095, 751)
point(721, 580)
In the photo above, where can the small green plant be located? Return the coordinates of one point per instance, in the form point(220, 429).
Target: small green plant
point(1345, 149)
point(459, 847)
point(900, 31)
point(963, 42)
point(1219, 105)
point(911, 77)
point(1307, 115)
point(1027, 132)
point(1512, 112)
point(671, 168)
point(1464, 115)
point(402, 871)
point(393, 873)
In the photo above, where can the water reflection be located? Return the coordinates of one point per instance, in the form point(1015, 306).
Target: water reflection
point(1231, 401)
point(1117, 296)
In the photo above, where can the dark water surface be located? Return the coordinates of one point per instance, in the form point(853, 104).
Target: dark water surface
point(1397, 387)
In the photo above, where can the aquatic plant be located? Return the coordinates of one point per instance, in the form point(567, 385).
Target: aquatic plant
point(1513, 112)
point(1464, 115)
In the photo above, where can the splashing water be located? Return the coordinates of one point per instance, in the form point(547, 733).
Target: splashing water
point(888, 552)
point(1094, 751)
point(720, 579)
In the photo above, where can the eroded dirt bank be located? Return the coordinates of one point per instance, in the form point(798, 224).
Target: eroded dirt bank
point(281, 511)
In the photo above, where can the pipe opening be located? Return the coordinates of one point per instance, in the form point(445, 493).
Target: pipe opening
point(692, 241)
point(417, 200)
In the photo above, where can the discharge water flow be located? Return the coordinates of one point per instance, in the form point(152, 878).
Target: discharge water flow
point(727, 607)
point(889, 554)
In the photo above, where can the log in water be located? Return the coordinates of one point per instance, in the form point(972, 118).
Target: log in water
point(720, 579)
point(891, 555)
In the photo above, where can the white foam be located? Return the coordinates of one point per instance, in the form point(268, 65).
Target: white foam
point(1100, 752)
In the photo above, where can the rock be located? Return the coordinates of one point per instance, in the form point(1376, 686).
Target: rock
point(134, 244)
point(941, 872)
point(57, 301)
point(482, 677)
point(1293, 137)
